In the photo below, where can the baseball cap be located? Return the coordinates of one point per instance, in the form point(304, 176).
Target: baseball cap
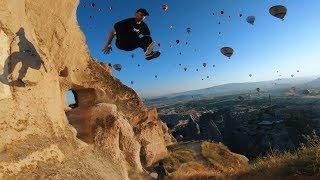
point(143, 11)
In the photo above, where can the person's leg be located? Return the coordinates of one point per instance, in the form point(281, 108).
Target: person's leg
point(146, 44)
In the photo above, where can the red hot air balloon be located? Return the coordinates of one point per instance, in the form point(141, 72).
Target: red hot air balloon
point(165, 7)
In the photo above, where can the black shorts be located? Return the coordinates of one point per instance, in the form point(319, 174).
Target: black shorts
point(128, 44)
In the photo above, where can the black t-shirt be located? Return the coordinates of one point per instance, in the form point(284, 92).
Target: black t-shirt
point(128, 28)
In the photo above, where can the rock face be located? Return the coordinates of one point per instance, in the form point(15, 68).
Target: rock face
point(187, 130)
point(204, 127)
point(43, 54)
point(208, 127)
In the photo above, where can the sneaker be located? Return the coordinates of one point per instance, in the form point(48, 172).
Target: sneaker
point(152, 55)
point(149, 49)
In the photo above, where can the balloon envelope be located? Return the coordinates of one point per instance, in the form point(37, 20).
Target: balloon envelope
point(117, 67)
point(258, 89)
point(165, 7)
point(227, 51)
point(278, 11)
point(189, 30)
point(251, 20)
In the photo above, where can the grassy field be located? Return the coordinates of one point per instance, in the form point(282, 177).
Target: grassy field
point(305, 161)
point(223, 164)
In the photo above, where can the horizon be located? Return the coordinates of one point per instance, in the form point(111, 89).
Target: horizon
point(313, 77)
point(270, 45)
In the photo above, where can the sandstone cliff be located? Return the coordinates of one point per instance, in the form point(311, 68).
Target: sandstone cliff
point(109, 134)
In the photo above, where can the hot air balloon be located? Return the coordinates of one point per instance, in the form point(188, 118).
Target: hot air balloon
point(227, 51)
point(185, 69)
point(189, 30)
point(204, 64)
point(258, 90)
point(117, 67)
point(165, 7)
point(251, 20)
point(278, 11)
point(293, 90)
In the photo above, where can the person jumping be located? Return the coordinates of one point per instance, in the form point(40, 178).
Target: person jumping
point(133, 33)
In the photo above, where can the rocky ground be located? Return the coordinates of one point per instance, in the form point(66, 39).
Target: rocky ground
point(252, 126)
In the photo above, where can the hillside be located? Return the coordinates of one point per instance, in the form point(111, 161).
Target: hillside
point(233, 88)
point(315, 83)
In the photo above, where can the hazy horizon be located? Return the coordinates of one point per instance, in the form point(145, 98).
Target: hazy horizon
point(313, 77)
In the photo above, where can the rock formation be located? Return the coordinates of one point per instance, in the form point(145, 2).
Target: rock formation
point(108, 133)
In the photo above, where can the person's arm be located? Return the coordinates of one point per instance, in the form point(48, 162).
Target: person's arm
point(107, 47)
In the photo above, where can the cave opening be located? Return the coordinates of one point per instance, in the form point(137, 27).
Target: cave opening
point(72, 99)
point(79, 116)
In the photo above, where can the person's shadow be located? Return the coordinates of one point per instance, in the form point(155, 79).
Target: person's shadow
point(29, 58)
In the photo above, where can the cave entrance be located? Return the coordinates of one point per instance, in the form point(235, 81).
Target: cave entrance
point(71, 99)
point(79, 115)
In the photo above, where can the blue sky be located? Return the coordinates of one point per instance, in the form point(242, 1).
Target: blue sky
point(261, 50)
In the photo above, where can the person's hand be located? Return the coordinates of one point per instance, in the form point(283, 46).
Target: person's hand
point(107, 49)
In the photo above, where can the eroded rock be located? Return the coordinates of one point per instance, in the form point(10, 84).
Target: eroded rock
point(39, 64)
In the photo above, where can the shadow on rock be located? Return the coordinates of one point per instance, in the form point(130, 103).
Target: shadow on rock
point(27, 56)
